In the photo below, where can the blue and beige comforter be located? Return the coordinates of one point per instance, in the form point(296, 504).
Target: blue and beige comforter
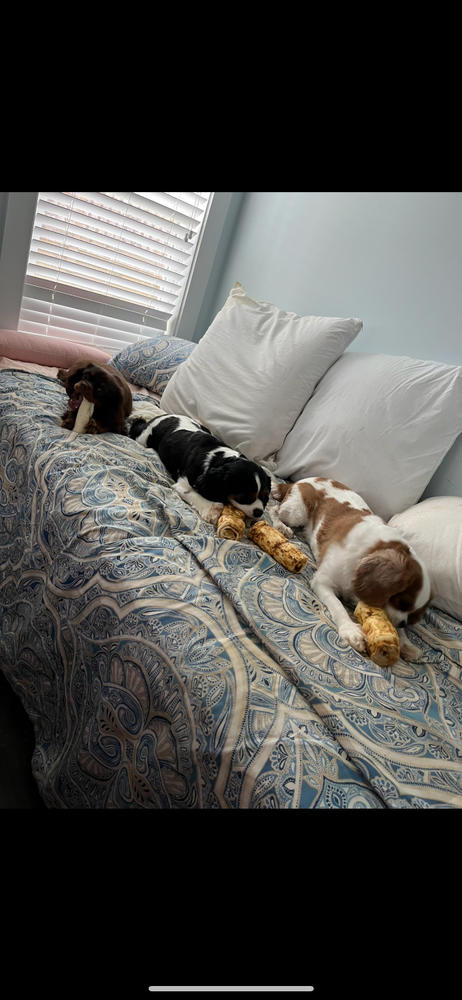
point(165, 668)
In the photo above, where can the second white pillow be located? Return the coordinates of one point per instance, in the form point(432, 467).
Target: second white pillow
point(434, 528)
point(254, 369)
point(378, 423)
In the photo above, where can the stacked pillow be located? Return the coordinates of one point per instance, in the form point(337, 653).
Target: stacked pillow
point(252, 372)
point(151, 363)
point(378, 423)
point(278, 386)
point(434, 528)
point(47, 351)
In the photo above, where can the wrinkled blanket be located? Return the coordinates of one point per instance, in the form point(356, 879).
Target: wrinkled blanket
point(163, 667)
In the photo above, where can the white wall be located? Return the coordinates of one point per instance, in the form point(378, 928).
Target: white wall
point(392, 258)
point(3, 204)
point(17, 211)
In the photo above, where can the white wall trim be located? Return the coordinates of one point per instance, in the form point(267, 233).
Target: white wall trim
point(17, 232)
point(183, 324)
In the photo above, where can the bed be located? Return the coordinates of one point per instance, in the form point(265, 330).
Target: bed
point(163, 667)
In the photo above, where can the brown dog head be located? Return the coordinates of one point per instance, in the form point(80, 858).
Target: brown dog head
point(392, 577)
point(102, 385)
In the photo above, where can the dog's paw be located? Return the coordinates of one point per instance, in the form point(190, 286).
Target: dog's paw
point(354, 636)
point(280, 526)
point(408, 651)
point(91, 428)
point(213, 513)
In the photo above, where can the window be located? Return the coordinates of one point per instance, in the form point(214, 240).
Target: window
point(110, 268)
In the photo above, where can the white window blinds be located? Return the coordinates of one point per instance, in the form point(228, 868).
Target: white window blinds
point(109, 268)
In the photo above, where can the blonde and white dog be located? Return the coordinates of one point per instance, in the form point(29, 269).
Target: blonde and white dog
point(358, 555)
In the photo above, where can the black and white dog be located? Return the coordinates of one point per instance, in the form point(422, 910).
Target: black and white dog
point(206, 472)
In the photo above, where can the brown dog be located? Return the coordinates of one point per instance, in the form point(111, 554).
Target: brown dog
point(102, 385)
point(359, 557)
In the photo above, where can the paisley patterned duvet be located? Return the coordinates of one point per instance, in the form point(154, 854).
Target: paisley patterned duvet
point(165, 668)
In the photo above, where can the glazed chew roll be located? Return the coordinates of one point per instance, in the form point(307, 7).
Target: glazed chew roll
point(231, 523)
point(273, 542)
point(381, 636)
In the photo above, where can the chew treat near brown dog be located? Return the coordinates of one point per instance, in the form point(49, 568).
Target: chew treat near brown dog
point(381, 636)
point(273, 542)
point(231, 523)
point(84, 415)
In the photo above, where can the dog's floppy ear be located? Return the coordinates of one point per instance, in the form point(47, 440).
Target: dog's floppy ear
point(379, 575)
point(214, 484)
point(126, 404)
point(218, 481)
point(266, 480)
point(279, 490)
point(65, 374)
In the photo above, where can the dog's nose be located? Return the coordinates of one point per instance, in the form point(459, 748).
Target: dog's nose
point(257, 512)
point(401, 623)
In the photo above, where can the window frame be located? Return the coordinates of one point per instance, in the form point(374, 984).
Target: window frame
point(17, 233)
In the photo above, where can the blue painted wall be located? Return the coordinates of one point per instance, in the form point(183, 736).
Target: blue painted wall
point(392, 258)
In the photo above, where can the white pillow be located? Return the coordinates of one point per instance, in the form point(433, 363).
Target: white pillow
point(378, 423)
point(434, 528)
point(254, 369)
